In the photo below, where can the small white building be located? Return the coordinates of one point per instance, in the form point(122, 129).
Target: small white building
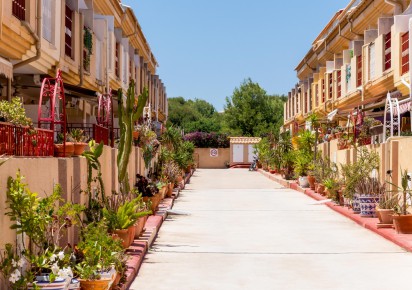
point(241, 150)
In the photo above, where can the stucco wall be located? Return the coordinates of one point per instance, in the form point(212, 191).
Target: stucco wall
point(41, 174)
point(204, 160)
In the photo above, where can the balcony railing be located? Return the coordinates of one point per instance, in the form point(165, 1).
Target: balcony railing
point(96, 132)
point(23, 141)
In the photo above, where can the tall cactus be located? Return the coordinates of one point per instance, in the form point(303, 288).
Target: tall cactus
point(130, 110)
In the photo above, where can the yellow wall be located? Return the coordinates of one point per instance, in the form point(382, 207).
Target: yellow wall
point(203, 159)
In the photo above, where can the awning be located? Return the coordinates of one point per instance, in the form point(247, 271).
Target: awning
point(245, 140)
point(403, 108)
point(6, 68)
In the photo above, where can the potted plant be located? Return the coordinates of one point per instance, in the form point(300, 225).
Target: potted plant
point(97, 253)
point(385, 207)
point(121, 214)
point(149, 192)
point(302, 165)
point(402, 219)
point(61, 148)
point(353, 173)
point(332, 186)
point(78, 137)
point(41, 226)
point(370, 190)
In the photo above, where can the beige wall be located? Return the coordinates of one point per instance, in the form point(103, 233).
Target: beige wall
point(394, 155)
point(41, 174)
point(203, 159)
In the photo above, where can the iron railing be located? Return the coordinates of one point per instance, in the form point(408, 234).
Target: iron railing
point(25, 141)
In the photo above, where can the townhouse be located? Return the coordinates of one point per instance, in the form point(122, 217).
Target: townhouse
point(359, 62)
point(98, 46)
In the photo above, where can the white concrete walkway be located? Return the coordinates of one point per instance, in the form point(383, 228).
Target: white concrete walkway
point(247, 232)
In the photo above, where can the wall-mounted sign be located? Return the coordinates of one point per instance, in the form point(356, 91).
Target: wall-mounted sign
point(214, 152)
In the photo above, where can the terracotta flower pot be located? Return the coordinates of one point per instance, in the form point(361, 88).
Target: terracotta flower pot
point(131, 230)
point(321, 189)
point(79, 148)
point(169, 191)
point(311, 180)
point(403, 224)
point(140, 226)
point(123, 235)
point(385, 215)
point(102, 284)
point(155, 200)
point(116, 281)
point(59, 150)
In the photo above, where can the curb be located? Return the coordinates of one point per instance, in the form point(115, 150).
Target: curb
point(402, 240)
point(140, 247)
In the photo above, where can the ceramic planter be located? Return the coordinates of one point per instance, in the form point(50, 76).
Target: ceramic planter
point(355, 203)
point(367, 204)
point(59, 284)
point(303, 181)
point(403, 224)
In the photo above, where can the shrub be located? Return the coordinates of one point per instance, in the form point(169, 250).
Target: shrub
point(208, 140)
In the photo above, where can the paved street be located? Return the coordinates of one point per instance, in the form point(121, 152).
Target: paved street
point(245, 231)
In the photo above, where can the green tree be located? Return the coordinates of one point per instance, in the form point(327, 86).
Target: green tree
point(250, 111)
point(194, 115)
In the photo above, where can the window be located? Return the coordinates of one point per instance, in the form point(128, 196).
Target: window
point(306, 102)
point(47, 20)
point(323, 91)
point(116, 60)
point(371, 61)
point(68, 37)
point(405, 52)
point(339, 81)
point(330, 87)
point(359, 70)
point(317, 95)
point(19, 9)
point(387, 51)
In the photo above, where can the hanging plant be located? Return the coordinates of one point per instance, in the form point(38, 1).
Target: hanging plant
point(88, 40)
point(88, 45)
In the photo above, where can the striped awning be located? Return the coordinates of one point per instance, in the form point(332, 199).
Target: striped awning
point(403, 108)
point(245, 140)
point(6, 68)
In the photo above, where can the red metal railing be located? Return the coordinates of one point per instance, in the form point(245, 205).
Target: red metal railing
point(387, 50)
point(19, 9)
point(359, 70)
point(101, 134)
point(23, 141)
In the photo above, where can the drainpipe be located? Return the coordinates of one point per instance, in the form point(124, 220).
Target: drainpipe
point(37, 37)
point(398, 7)
point(81, 41)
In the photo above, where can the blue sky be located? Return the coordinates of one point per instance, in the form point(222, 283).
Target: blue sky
point(206, 48)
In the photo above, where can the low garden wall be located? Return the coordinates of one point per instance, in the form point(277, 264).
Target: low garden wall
point(211, 158)
point(394, 156)
point(41, 174)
